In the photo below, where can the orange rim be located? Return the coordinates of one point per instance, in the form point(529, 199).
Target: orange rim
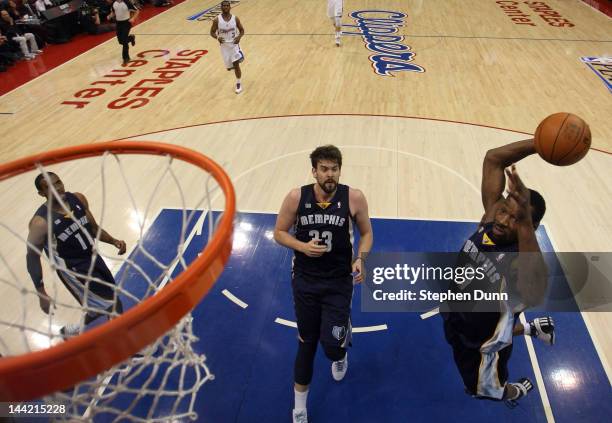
point(38, 373)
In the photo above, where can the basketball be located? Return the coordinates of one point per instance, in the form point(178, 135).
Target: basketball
point(562, 139)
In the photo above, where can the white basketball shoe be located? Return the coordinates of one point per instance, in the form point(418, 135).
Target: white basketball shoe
point(339, 368)
point(300, 415)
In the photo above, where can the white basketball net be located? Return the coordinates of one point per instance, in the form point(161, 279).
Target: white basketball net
point(162, 381)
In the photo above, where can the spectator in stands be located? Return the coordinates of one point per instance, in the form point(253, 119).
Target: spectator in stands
point(13, 32)
point(41, 5)
point(16, 11)
point(7, 55)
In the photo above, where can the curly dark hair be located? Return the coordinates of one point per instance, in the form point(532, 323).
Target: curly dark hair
point(326, 152)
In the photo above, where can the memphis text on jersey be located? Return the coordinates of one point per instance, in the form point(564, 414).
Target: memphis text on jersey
point(325, 219)
point(73, 228)
point(377, 28)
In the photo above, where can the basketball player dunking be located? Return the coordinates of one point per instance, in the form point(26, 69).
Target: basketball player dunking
point(225, 29)
point(482, 341)
point(322, 215)
point(73, 251)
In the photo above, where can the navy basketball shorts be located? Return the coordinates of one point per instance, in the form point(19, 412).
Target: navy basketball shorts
point(95, 294)
point(484, 374)
point(323, 309)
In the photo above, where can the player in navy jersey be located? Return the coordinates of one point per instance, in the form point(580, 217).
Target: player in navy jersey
point(324, 270)
point(482, 341)
point(72, 236)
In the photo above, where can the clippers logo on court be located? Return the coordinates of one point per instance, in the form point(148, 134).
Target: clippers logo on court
point(339, 332)
point(377, 28)
point(210, 13)
point(549, 15)
point(602, 66)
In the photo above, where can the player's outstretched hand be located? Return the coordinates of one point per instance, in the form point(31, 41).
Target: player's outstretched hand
point(121, 246)
point(313, 249)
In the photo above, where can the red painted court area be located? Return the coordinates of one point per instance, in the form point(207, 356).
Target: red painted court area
point(56, 54)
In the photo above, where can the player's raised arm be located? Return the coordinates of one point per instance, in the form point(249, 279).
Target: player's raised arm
point(284, 222)
point(493, 179)
point(104, 236)
point(532, 270)
point(359, 209)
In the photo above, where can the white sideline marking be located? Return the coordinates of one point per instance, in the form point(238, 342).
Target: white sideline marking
point(430, 313)
point(355, 330)
point(285, 322)
point(234, 299)
point(363, 329)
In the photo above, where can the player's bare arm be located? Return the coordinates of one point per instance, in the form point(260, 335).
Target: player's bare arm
point(241, 28)
point(36, 237)
point(359, 210)
point(104, 236)
point(213, 30)
point(493, 179)
point(284, 222)
point(532, 270)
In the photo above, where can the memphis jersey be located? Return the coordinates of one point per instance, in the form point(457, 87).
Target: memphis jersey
point(227, 30)
point(331, 224)
point(70, 241)
point(488, 331)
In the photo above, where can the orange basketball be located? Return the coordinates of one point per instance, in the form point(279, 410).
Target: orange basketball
point(562, 139)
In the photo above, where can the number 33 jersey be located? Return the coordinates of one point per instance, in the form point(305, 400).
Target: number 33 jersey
point(331, 225)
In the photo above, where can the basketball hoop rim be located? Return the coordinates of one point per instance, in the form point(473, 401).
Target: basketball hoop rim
point(60, 367)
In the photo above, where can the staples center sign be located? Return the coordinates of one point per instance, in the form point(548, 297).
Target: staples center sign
point(514, 10)
point(142, 84)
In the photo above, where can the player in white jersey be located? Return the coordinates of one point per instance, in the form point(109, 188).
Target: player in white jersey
point(228, 30)
point(334, 12)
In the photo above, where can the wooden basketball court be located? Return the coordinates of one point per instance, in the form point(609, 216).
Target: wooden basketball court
point(482, 73)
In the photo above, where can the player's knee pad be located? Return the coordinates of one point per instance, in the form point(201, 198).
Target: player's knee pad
point(338, 21)
point(334, 353)
point(304, 361)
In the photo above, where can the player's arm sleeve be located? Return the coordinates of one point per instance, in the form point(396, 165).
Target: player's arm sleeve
point(36, 238)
